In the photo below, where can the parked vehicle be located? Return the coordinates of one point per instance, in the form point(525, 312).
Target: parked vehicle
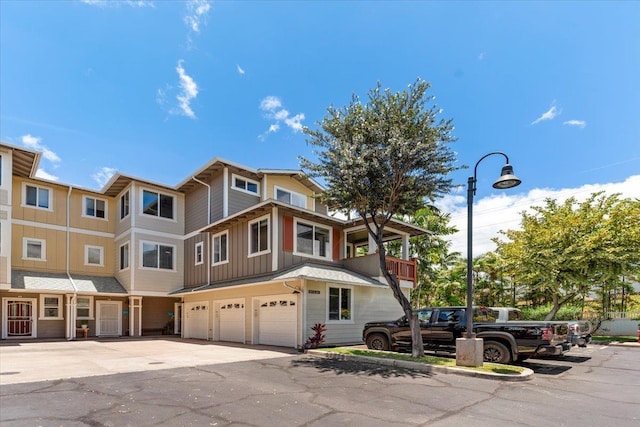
point(579, 330)
point(441, 326)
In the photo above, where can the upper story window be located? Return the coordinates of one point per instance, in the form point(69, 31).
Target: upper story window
point(220, 248)
point(124, 205)
point(156, 255)
point(34, 249)
point(93, 207)
point(94, 255)
point(259, 236)
point(124, 256)
point(199, 253)
point(290, 197)
point(312, 240)
point(157, 204)
point(245, 184)
point(36, 196)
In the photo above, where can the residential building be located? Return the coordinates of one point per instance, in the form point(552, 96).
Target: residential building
point(231, 253)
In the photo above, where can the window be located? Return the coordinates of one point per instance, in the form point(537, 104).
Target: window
point(220, 248)
point(95, 208)
point(37, 197)
point(259, 236)
point(199, 254)
point(155, 255)
point(340, 304)
point(84, 307)
point(124, 205)
point(289, 197)
point(157, 204)
point(34, 249)
point(245, 184)
point(93, 255)
point(124, 256)
point(313, 240)
point(50, 307)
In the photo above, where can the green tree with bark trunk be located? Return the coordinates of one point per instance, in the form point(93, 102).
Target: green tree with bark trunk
point(388, 156)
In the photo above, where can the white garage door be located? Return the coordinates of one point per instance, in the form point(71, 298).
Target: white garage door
point(231, 320)
point(278, 321)
point(196, 322)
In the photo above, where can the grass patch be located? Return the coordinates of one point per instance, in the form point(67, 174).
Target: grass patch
point(496, 368)
point(610, 338)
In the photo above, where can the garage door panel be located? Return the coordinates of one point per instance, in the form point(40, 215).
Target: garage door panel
point(197, 320)
point(278, 323)
point(232, 320)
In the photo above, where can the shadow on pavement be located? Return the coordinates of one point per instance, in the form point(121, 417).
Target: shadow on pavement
point(545, 369)
point(348, 367)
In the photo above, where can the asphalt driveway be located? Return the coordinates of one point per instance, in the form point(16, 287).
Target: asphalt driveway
point(28, 361)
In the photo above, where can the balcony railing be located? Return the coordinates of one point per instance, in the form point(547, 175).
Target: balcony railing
point(370, 266)
point(404, 269)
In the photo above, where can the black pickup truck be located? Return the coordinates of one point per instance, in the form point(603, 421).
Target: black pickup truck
point(440, 326)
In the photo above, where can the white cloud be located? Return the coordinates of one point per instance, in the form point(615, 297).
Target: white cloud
point(579, 123)
point(188, 92)
point(42, 174)
point(33, 142)
point(502, 212)
point(548, 115)
point(272, 106)
point(197, 11)
point(481, 56)
point(118, 3)
point(103, 175)
point(240, 70)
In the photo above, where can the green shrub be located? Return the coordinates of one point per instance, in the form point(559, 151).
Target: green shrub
point(567, 312)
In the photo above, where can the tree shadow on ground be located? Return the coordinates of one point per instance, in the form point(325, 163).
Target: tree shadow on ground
point(341, 367)
point(545, 369)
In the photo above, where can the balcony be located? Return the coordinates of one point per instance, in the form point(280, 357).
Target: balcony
point(369, 265)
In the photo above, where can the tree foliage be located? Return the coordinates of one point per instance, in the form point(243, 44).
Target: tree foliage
point(386, 157)
point(565, 251)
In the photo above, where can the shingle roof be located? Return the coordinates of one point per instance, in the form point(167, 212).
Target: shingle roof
point(56, 282)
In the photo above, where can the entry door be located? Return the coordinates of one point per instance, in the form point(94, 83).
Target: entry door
point(18, 319)
point(109, 320)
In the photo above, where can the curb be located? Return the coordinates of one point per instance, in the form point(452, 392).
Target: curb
point(526, 375)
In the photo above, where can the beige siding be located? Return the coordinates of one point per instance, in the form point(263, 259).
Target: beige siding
point(77, 259)
point(55, 250)
point(152, 279)
point(4, 277)
point(57, 214)
point(288, 183)
point(122, 225)
point(164, 225)
point(123, 276)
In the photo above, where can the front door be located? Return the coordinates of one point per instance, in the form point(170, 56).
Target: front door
point(109, 320)
point(18, 318)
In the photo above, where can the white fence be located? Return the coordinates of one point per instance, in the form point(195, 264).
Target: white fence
point(617, 323)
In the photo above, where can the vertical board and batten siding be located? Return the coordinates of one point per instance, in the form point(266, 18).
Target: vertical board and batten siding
point(240, 264)
point(196, 275)
point(77, 242)
point(217, 198)
point(55, 249)
point(78, 220)
point(369, 304)
point(240, 200)
point(157, 280)
point(56, 215)
point(195, 208)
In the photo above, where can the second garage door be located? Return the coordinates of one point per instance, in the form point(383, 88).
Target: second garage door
point(231, 320)
point(278, 321)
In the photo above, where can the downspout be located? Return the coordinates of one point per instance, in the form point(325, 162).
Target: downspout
point(209, 255)
point(71, 307)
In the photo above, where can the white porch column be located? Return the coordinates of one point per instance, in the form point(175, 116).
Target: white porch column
point(372, 245)
point(405, 247)
point(71, 315)
point(135, 312)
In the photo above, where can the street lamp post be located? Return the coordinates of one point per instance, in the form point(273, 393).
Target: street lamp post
point(469, 351)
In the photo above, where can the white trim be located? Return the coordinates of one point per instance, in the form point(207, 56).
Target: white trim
point(95, 200)
point(213, 249)
point(291, 194)
point(248, 180)
point(90, 317)
point(174, 204)
point(128, 244)
point(195, 253)
point(276, 235)
point(61, 228)
point(249, 224)
point(351, 304)
point(23, 201)
point(174, 254)
point(297, 220)
point(126, 192)
point(225, 192)
point(86, 255)
point(99, 305)
point(43, 249)
point(41, 315)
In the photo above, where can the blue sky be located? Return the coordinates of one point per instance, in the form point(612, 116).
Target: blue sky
point(155, 89)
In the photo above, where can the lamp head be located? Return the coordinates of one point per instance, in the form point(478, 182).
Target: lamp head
point(507, 178)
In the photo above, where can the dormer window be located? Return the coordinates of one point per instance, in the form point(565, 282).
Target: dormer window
point(290, 197)
point(245, 184)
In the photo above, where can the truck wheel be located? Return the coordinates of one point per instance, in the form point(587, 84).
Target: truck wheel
point(496, 352)
point(377, 342)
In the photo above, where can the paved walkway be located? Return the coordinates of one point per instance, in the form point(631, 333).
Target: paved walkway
point(28, 361)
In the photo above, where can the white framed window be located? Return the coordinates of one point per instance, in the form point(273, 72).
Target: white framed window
point(220, 248)
point(312, 239)
point(94, 255)
point(259, 236)
point(124, 205)
point(157, 255)
point(290, 197)
point(94, 208)
point(36, 196)
point(199, 253)
point(245, 184)
point(50, 307)
point(34, 249)
point(158, 204)
point(84, 307)
point(124, 256)
point(339, 304)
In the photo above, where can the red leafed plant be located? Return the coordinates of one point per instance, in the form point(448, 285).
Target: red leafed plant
point(318, 338)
